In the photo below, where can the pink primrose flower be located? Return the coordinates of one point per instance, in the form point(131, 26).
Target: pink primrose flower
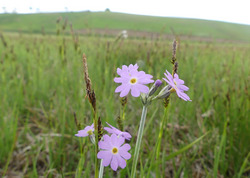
point(177, 86)
point(132, 79)
point(113, 152)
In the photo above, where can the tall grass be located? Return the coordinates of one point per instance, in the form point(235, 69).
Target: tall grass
point(41, 88)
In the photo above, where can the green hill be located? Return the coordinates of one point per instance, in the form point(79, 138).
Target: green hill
point(109, 20)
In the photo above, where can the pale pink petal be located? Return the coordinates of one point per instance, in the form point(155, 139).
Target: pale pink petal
point(121, 161)
point(135, 92)
point(114, 163)
point(81, 134)
point(126, 135)
point(125, 91)
point(142, 88)
point(120, 141)
point(125, 147)
point(106, 156)
point(183, 87)
point(105, 145)
point(118, 80)
point(120, 88)
point(125, 154)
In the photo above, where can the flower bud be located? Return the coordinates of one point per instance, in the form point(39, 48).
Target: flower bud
point(165, 92)
point(153, 89)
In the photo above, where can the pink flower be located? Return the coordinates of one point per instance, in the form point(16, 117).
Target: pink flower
point(177, 86)
point(114, 130)
point(113, 152)
point(132, 79)
point(86, 131)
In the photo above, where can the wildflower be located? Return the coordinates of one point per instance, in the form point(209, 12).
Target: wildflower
point(119, 133)
point(177, 86)
point(113, 152)
point(133, 80)
point(87, 131)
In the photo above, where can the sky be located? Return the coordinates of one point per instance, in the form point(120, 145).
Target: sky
point(236, 11)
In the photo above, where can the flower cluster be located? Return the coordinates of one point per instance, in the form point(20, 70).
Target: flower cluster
point(113, 150)
point(134, 80)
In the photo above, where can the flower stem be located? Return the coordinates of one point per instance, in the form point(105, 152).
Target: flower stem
point(96, 145)
point(138, 141)
point(101, 169)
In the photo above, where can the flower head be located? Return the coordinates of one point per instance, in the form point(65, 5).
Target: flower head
point(113, 152)
point(87, 131)
point(177, 85)
point(132, 79)
point(119, 133)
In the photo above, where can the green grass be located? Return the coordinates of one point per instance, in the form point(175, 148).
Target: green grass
point(42, 86)
point(109, 20)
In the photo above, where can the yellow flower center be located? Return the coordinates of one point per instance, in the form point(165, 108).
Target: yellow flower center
point(114, 150)
point(133, 80)
point(90, 132)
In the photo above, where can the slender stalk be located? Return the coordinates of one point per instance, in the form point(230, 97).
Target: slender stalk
point(163, 123)
point(101, 169)
point(138, 141)
point(96, 146)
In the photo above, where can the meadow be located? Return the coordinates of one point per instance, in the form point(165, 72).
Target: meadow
point(42, 93)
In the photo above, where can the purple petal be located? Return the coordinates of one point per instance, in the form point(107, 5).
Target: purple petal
point(169, 82)
point(114, 139)
point(114, 163)
point(123, 151)
point(126, 135)
point(120, 141)
point(126, 155)
point(120, 88)
point(183, 96)
point(106, 156)
point(118, 80)
point(179, 81)
point(118, 71)
point(183, 87)
point(142, 88)
point(106, 145)
point(125, 147)
point(81, 133)
point(134, 91)
point(121, 161)
point(109, 130)
point(125, 91)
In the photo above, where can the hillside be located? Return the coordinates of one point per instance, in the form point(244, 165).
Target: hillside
point(108, 20)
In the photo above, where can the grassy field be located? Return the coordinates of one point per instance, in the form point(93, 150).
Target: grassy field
point(42, 87)
point(36, 23)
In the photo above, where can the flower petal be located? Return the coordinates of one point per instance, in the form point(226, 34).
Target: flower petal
point(82, 133)
point(142, 88)
point(125, 91)
point(114, 163)
point(134, 91)
point(106, 156)
point(120, 88)
point(121, 161)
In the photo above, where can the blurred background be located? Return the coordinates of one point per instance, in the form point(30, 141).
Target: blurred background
point(42, 86)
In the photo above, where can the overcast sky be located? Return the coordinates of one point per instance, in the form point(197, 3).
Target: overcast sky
point(237, 11)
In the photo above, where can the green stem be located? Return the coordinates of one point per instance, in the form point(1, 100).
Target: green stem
point(96, 146)
point(138, 141)
point(101, 169)
point(163, 123)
